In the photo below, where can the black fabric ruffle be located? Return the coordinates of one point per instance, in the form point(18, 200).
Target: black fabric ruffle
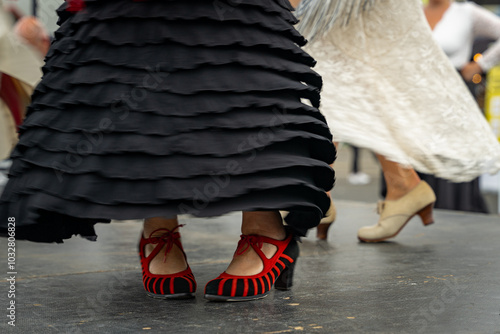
point(158, 167)
point(179, 57)
point(212, 143)
point(89, 119)
point(279, 8)
point(199, 10)
point(189, 82)
point(155, 108)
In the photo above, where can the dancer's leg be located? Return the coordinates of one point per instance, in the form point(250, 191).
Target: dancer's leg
point(355, 160)
point(295, 3)
point(400, 180)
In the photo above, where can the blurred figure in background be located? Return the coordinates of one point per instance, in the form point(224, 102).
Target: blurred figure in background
point(455, 26)
point(32, 31)
point(22, 49)
point(356, 176)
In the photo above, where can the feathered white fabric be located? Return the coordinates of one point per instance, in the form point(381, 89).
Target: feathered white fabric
point(390, 88)
point(318, 17)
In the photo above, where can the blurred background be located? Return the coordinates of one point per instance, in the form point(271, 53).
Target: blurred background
point(44, 10)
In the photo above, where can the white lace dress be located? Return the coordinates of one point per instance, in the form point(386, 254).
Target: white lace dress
point(390, 88)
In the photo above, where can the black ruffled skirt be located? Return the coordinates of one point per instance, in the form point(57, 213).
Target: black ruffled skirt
point(156, 108)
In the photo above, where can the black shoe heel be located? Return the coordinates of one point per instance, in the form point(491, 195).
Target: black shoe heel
point(285, 280)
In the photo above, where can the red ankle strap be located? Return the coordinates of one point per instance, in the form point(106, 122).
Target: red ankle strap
point(168, 239)
point(256, 242)
point(247, 241)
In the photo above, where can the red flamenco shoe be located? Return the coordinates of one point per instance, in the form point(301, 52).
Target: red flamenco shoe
point(181, 285)
point(278, 271)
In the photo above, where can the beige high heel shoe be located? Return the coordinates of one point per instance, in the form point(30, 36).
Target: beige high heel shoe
point(394, 215)
point(326, 222)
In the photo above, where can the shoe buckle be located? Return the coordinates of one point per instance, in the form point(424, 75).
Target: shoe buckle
point(380, 207)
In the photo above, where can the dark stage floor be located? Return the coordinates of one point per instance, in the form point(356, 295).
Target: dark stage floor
point(439, 279)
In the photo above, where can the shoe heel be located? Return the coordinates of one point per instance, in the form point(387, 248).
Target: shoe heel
point(322, 231)
point(285, 279)
point(426, 215)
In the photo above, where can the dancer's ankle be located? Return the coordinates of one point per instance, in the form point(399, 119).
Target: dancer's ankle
point(400, 189)
point(157, 223)
point(264, 223)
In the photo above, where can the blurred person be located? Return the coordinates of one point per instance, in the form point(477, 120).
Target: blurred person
point(150, 109)
point(455, 26)
point(388, 87)
point(356, 176)
point(32, 31)
point(15, 93)
point(20, 70)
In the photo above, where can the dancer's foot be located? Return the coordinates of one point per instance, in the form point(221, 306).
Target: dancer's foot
point(265, 257)
point(406, 197)
point(395, 214)
point(165, 272)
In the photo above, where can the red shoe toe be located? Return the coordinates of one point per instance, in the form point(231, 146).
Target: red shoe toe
point(180, 285)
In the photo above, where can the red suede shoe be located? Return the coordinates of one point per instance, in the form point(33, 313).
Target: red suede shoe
point(278, 271)
point(181, 285)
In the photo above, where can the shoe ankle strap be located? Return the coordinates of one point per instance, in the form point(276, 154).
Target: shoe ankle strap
point(168, 238)
point(247, 241)
point(256, 242)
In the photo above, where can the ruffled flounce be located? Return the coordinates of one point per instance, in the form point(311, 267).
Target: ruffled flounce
point(156, 108)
